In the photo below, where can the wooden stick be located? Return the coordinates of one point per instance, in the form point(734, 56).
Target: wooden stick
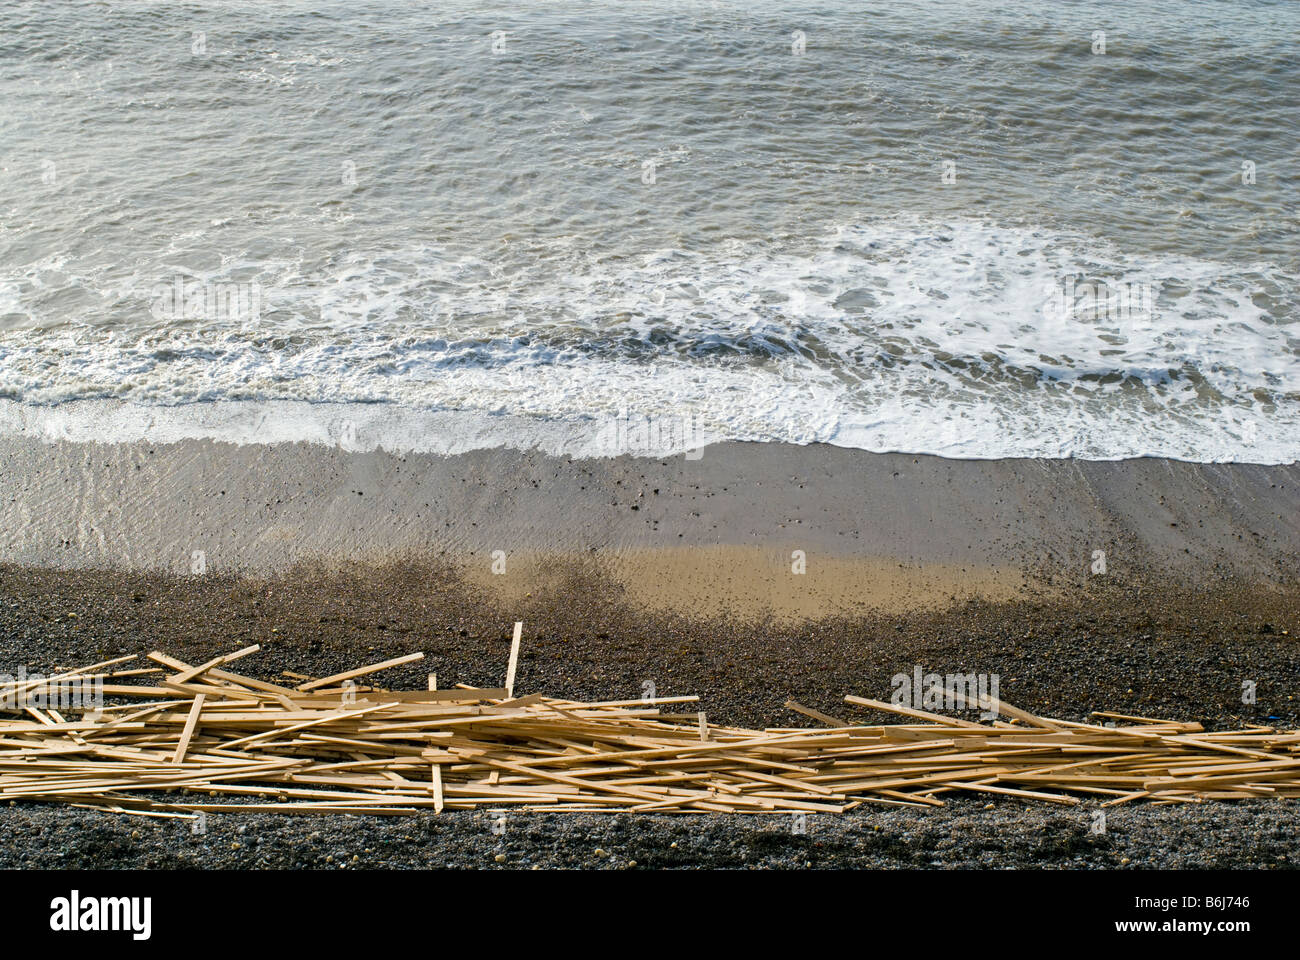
point(825, 718)
point(514, 658)
point(196, 709)
point(360, 672)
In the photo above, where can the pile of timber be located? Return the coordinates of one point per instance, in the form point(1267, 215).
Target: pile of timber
point(203, 738)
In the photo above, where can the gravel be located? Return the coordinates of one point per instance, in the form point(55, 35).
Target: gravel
point(967, 833)
point(1157, 649)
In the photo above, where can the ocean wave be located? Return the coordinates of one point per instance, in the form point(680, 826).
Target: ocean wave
point(957, 336)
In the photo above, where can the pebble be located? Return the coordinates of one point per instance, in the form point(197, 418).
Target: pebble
point(1109, 643)
point(961, 834)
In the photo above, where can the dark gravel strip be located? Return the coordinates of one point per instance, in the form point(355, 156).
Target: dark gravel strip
point(1155, 650)
point(967, 833)
point(1152, 649)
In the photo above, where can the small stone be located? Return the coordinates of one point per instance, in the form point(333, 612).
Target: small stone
point(330, 858)
point(500, 858)
point(631, 863)
point(236, 845)
point(600, 852)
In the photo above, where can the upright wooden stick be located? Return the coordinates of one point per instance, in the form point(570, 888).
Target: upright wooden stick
point(514, 658)
point(190, 722)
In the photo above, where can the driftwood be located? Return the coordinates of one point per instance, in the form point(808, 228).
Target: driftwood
point(207, 739)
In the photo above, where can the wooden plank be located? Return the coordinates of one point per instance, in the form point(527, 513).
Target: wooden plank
point(196, 709)
point(825, 718)
point(514, 658)
point(360, 671)
point(910, 712)
point(187, 675)
point(437, 789)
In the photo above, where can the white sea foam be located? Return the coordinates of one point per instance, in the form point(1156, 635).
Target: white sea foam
point(901, 334)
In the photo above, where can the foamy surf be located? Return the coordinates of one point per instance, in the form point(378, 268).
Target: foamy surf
point(959, 337)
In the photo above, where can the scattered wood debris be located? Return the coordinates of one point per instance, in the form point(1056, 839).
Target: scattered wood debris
point(207, 739)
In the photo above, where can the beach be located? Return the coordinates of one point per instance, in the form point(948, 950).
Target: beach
point(951, 527)
point(762, 353)
point(678, 573)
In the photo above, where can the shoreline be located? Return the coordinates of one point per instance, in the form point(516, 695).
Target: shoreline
point(663, 429)
point(799, 532)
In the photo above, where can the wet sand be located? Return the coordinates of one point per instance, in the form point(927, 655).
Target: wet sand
point(729, 531)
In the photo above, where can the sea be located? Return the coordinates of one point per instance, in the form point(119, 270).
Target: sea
point(972, 229)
